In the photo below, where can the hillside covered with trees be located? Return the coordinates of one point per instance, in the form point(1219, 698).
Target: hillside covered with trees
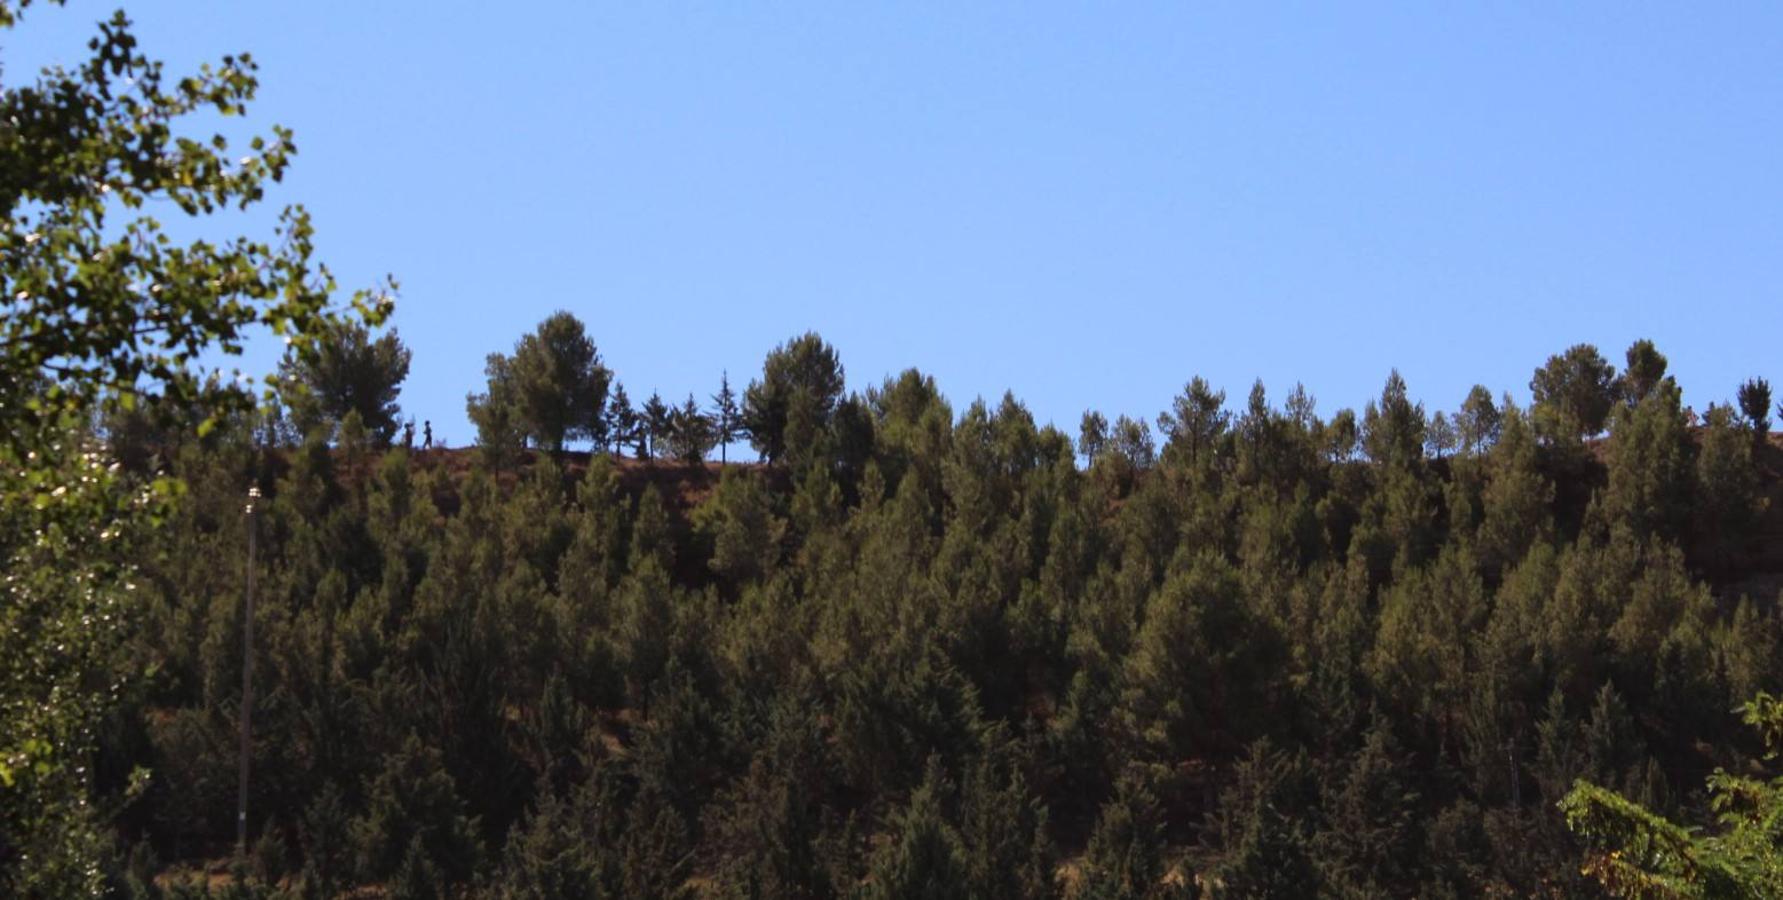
point(922, 650)
point(1244, 648)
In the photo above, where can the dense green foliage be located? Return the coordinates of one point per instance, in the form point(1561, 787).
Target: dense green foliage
point(789, 407)
point(930, 653)
point(349, 374)
point(103, 313)
point(919, 651)
point(552, 389)
point(1636, 853)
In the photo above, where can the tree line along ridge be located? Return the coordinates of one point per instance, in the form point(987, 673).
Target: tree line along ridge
point(1263, 653)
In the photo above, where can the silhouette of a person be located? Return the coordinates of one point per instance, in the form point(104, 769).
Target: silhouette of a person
point(427, 435)
point(408, 435)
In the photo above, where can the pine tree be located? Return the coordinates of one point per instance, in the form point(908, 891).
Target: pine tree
point(1341, 436)
point(1003, 828)
point(924, 858)
point(745, 532)
point(1443, 439)
point(496, 413)
point(1517, 497)
point(1755, 405)
point(1131, 441)
point(1092, 436)
point(1262, 827)
point(801, 383)
point(1125, 856)
point(1368, 844)
point(1726, 498)
point(1301, 408)
point(770, 823)
point(554, 383)
point(1648, 463)
point(1478, 423)
point(1393, 431)
point(346, 371)
point(725, 417)
point(1573, 394)
point(1196, 422)
point(414, 825)
point(622, 420)
point(1646, 368)
point(549, 855)
point(690, 432)
point(653, 428)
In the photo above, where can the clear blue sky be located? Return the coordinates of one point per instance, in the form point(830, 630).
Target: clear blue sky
point(1087, 203)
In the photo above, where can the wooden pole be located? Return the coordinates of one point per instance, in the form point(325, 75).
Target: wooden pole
point(247, 682)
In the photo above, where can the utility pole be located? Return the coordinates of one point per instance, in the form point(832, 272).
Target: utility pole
point(247, 681)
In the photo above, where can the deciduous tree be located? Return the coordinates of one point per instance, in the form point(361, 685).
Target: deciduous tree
point(100, 300)
point(1635, 852)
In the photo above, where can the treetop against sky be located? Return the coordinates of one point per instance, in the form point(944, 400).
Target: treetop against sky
point(1088, 206)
